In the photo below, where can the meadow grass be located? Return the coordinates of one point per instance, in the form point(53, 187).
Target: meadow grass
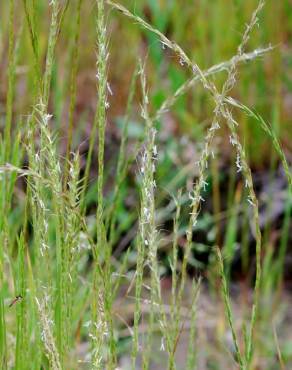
point(61, 280)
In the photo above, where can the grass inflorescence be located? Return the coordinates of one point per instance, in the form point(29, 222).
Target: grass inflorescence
point(65, 219)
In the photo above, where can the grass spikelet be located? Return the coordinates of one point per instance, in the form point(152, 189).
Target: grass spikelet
point(102, 105)
point(47, 336)
point(102, 250)
point(191, 82)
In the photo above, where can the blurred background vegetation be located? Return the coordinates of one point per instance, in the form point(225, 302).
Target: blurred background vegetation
point(210, 33)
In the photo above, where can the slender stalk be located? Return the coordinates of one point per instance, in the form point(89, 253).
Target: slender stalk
point(4, 186)
point(50, 52)
point(30, 18)
point(21, 338)
point(226, 297)
point(11, 82)
point(123, 163)
point(192, 350)
point(73, 85)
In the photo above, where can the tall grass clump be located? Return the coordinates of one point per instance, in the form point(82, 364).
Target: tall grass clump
point(221, 112)
point(102, 321)
point(68, 298)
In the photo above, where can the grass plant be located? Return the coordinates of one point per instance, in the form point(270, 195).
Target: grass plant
point(65, 217)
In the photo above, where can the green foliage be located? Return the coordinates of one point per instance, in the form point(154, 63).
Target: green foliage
point(67, 214)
